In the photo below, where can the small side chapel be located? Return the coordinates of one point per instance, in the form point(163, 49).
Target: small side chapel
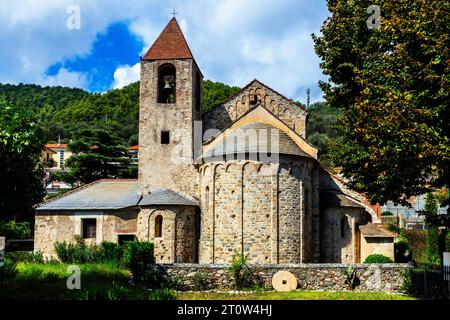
point(204, 200)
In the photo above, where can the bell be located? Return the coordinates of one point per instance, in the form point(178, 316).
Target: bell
point(167, 85)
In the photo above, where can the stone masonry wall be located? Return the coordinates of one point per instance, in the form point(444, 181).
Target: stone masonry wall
point(168, 165)
point(260, 210)
point(290, 113)
point(51, 227)
point(372, 277)
point(177, 241)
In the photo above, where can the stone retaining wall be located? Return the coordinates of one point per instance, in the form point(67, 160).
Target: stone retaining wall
point(371, 277)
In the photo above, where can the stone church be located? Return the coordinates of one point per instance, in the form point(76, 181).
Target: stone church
point(241, 178)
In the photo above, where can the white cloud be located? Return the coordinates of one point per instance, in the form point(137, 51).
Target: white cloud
point(234, 41)
point(65, 78)
point(125, 75)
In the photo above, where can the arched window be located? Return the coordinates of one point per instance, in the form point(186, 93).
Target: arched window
point(343, 227)
point(207, 198)
point(158, 226)
point(167, 83)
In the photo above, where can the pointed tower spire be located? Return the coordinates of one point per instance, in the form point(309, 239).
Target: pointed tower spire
point(170, 44)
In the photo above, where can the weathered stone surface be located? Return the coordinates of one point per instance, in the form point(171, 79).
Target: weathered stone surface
point(373, 277)
point(284, 281)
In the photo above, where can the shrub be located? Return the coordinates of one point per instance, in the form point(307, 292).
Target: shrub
point(240, 272)
point(111, 251)
point(136, 256)
point(199, 281)
point(351, 277)
point(174, 283)
point(9, 269)
point(154, 278)
point(387, 213)
point(378, 258)
point(447, 242)
point(78, 252)
point(417, 243)
point(408, 285)
point(402, 251)
point(51, 277)
point(24, 256)
point(432, 256)
point(15, 230)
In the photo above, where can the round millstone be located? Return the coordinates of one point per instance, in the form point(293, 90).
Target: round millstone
point(284, 281)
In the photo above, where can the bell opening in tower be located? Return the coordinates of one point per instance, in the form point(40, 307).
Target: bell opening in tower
point(167, 84)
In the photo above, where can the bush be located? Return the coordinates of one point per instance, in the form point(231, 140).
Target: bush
point(417, 244)
point(409, 283)
point(111, 251)
point(447, 242)
point(9, 269)
point(432, 255)
point(386, 213)
point(24, 256)
point(199, 281)
point(240, 272)
point(136, 257)
point(378, 258)
point(15, 230)
point(78, 252)
point(402, 251)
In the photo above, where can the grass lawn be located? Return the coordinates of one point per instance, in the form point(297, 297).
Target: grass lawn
point(295, 295)
point(48, 282)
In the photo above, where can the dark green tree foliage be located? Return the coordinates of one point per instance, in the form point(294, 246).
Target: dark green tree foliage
point(21, 174)
point(430, 210)
point(98, 155)
point(321, 130)
point(391, 85)
point(214, 93)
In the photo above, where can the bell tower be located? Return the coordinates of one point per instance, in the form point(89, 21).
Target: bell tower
point(170, 103)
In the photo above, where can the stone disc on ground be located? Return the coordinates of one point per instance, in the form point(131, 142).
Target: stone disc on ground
point(284, 281)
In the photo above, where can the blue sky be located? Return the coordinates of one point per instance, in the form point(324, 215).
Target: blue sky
point(233, 41)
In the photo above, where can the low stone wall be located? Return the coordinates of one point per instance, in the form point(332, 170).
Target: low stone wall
point(371, 277)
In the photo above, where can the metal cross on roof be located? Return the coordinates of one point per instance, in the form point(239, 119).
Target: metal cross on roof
point(174, 13)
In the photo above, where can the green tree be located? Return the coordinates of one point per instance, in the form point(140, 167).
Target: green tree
point(98, 154)
point(21, 144)
point(321, 129)
point(214, 93)
point(430, 209)
point(391, 86)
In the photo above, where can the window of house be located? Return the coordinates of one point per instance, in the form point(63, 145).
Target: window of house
point(89, 228)
point(61, 158)
point(158, 226)
point(165, 137)
point(167, 84)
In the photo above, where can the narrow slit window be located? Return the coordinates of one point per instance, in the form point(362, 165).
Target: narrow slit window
point(158, 226)
point(165, 137)
point(343, 225)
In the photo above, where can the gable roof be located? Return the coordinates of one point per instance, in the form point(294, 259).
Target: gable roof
point(242, 140)
point(99, 195)
point(170, 44)
point(260, 114)
point(371, 230)
point(262, 84)
point(56, 145)
point(165, 196)
point(337, 199)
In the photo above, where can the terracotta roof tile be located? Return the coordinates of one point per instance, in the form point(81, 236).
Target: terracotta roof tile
point(170, 44)
point(56, 145)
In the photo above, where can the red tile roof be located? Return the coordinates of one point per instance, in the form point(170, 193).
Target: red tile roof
point(56, 145)
point(170, 44)
point(136, 147)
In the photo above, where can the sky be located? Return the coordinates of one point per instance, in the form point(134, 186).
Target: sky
point(96, 44)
